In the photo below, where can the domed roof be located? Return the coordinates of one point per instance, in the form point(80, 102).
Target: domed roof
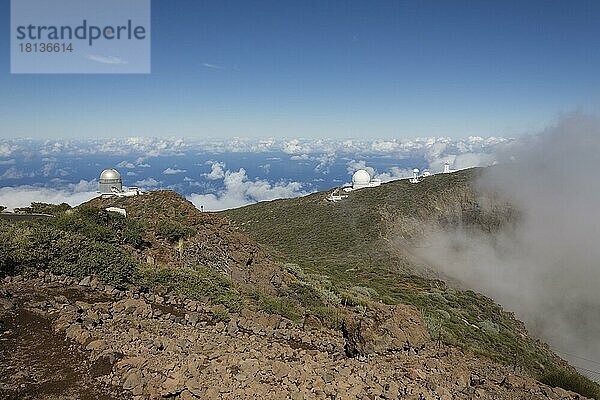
point(110, 174)
point(361, 177)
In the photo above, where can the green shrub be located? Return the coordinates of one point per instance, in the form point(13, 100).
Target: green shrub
point(195, 283)
point(277, 305)
point(329, 316)
point(44, 208)
point(489, 326)
point(328, 296)
point(572, 381)
point(133, 234)
point(295, 270)
point(173, 231)
point(364, 291)
point(101, 225)
point(38, 246)
point(304, 294)
point(352, 299)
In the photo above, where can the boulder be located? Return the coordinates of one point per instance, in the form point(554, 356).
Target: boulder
point(194, 387)
point(173, 385)
point(98, 345)
point(382, 329)
point(85, 281)
point(133, 380)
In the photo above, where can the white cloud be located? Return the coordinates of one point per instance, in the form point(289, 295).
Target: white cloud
point(107, 59)
point(301, 157)
point(211, 66)
point(15, 173)
point(325, 162)
point(12, 161)
point(240, 191)
point(47, 169)
point(173, 171)
point(266, 168)
point(126, 164)
point(217, 171)
point(352, 166)
point(23, 196)
point(393, 174)
point(384, 146)
point(295, 147)
point(149, 183)
point(5, 150)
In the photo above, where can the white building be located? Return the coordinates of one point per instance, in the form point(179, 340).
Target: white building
point(111, 184)
point(362, 179)
point(110, 181)
point(415, 177)
point(121, 211)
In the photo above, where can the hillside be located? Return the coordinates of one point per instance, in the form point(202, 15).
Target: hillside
point(374, 226)
point(367, 240)
point(169, 302)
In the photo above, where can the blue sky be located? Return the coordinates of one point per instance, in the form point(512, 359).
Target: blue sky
point(362, 69)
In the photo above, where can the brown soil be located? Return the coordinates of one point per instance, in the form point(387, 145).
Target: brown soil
point(37, 363)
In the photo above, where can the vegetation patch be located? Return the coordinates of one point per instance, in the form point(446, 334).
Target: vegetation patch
point(173, 230)
point(572, 381)
point(195, 283)
point(36, 246)
point(44, 208)
point(277, 305)
point(100, 225)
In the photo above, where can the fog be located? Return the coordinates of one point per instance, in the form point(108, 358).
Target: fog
point(547, 267)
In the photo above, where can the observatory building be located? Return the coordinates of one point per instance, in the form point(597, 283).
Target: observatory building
point(110, 182)
point(361, 179)
point(415, 177)
point(447, 169)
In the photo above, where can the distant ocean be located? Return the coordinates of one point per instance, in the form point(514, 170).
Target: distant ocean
point(221, 174)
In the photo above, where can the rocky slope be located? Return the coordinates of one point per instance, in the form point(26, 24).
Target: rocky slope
point(158, 345)
point(174, 303)
point(207, 239)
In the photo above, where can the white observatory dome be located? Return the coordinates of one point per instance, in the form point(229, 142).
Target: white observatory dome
point(360, 179)
point(110, 174)
point(110, 182)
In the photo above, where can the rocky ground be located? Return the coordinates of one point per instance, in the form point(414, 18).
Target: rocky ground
point(61, 338)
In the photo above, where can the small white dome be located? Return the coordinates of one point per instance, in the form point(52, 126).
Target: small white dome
point(416, 170)
point(361, 177)
point(110, 174)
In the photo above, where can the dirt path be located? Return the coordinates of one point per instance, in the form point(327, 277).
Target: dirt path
point(37, 363)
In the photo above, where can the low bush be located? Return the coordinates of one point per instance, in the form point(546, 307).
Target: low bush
point(195, 283)
point(277, 305)
point(44, 208)
point(37, 246)
point(572, 381)
point(101, 225)
point(173, 231)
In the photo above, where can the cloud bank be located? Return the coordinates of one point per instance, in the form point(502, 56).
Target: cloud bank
point(23, 196)
point(547, 268)
point(238, 190)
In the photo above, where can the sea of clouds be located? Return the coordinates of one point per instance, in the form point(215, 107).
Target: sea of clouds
point(225, 173)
